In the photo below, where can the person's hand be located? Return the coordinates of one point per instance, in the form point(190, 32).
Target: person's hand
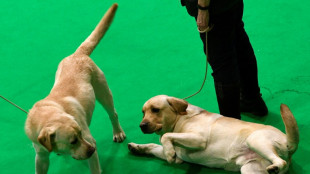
point(203, 21)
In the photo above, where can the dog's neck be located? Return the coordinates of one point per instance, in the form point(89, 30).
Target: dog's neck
point(193, 110)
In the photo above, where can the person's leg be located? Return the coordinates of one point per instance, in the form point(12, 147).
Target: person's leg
point(228, 98)
point(251, 100)
point(223, 60)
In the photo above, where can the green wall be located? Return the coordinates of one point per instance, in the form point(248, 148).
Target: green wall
point(152, 48)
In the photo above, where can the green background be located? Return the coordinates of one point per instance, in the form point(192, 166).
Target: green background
point(152, 48)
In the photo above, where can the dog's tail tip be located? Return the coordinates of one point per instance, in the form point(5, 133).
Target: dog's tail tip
point(115, 5)
point(291, 128)
point(284, 107)
point(87, 47)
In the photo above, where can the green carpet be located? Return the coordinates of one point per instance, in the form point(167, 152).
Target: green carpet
point(152, 48)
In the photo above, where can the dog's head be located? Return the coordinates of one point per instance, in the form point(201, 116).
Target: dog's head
point(64, 136)
point(160, 114)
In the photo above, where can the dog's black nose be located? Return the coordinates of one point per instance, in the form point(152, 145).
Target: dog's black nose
point(144, 126)
point(90, 151)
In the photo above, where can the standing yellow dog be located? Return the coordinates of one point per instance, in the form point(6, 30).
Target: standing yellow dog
point(195, 135)
point(60, 122)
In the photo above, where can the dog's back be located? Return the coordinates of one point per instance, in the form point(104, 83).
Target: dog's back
point(79, 62)
point(77, 74)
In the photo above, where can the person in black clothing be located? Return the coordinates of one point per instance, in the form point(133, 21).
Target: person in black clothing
point(230, 55)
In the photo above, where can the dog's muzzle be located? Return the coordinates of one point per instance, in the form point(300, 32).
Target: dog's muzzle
point(148, 128)
point(90, 151)
point(145, 127)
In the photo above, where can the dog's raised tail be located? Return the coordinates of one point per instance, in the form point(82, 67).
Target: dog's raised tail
point(87, 47)
point(291, 128)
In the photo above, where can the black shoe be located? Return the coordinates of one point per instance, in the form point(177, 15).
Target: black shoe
point(255, 106)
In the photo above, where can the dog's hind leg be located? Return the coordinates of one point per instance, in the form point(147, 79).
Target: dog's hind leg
point(104, 96)
point(267, 143)
point(93, 163)
point(253, 168)
point(149, 149)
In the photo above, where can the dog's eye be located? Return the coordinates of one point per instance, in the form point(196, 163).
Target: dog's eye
point(155, 110)
point(74, 141)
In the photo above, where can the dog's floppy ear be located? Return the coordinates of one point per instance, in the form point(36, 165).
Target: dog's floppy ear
point(178, 105)
point(45, 138)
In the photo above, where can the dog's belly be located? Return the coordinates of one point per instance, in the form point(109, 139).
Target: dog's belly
point(230, 159)
point(204, 157)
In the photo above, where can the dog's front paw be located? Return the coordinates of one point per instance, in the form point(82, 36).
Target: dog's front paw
point(119, 136)
point(170, 156)
point(133, 148)
point(136, 149)
point(178, 160)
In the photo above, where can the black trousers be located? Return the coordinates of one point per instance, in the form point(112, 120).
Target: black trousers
point(231, 57)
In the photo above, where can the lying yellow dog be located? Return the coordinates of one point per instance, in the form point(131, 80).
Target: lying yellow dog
point(189, 133)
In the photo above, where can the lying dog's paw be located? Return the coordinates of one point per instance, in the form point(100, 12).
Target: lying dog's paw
point(273, 169)
point(119, 136)
point(171, 156)
point(277, 167)
point(136, 149)
point(178, 160)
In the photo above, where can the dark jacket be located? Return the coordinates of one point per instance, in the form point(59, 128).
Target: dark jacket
point(216, 6)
